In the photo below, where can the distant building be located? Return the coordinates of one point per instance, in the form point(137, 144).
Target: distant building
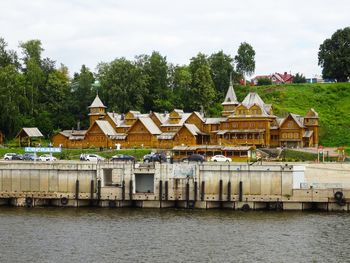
point(247, 123)
point(319, 79)
point(276, 78)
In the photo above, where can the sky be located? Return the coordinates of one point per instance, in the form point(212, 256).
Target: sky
point(285, 34)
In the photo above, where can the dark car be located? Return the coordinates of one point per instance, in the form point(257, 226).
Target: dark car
point(154, 157)
point(17, 157)
point(122, 158)
point(194, 158)
point(29, 157)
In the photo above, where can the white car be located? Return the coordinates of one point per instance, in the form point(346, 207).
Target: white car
point(220, 158)
point(93, 157)
point(47, 158)
point(8, 156)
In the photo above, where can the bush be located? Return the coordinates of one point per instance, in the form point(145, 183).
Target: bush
point(264, 81)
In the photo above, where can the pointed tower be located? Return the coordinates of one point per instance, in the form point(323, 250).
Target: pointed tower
point(311, 123)
point(230, 101)
point(97, 110)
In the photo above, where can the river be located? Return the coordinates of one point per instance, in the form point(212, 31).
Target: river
point(171, 235)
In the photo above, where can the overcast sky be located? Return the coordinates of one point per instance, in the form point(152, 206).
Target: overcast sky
point(285, 34)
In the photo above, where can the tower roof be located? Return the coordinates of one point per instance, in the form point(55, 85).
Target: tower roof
point(253, 98)
point(231, 98)
point(97, 103)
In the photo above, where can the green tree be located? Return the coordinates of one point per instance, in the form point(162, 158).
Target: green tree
point(221, 69)
point(82, 94)
point(245, 60)
point(31, 49)
point(202, 91)
point(334, 56)
point(123, 85)
point(299, 78)
point(34, 75)
point(7, 57)
point(55, 113)
point(181, 85)
point(155, 67)
point(12, 101)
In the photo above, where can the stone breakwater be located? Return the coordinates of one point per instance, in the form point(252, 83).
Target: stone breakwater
point(184, 185)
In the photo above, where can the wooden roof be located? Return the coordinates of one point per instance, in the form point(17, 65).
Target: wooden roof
point(32, 132)
point(97, 103)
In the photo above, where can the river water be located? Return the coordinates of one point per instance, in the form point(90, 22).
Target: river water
point(147, 235)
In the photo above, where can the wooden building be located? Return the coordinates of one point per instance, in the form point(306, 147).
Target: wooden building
point(250, 123)
point(70, 139)
point(29, 137)
point(143, 133)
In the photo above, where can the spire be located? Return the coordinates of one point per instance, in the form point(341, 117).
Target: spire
point(231, 98)
point(97, 103)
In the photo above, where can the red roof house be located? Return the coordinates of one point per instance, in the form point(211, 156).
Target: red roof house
point(276, 78)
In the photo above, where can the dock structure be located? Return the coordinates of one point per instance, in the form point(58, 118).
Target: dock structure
point(183, 185)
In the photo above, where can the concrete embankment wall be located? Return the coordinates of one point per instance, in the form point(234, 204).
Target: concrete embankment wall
point(206, 185)
point(328, 173)
point(17, 177)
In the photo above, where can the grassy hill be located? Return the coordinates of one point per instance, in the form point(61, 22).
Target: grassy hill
point(331, 101)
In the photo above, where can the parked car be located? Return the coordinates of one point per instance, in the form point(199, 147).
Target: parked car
point(154, 157)
point(17, 157)
point(194, 158)
point(47, 158)
point(123, 157)
point(220, 158)
point(30, 157)
point(93, 157)
point(8, 156)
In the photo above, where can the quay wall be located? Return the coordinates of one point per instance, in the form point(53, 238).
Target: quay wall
point(328, 173)
point(207, 185)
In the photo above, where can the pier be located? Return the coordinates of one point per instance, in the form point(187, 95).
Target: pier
point(184, 185)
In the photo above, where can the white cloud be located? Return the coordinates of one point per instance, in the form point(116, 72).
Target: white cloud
point(285, 34)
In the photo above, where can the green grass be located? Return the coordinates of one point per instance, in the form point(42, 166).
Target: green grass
point(290, 155)
point(331, 101)
point(296, 156)
point(11, 150)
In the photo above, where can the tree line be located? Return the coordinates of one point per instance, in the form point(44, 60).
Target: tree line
point(35, 91)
